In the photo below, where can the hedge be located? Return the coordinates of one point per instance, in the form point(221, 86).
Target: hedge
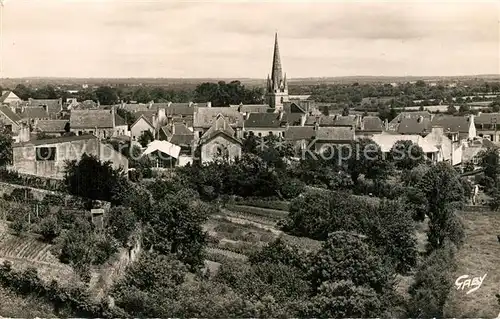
point(13, 177)
point(76, 299)
point(264, 203)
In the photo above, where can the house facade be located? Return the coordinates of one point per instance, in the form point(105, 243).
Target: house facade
point(101, 123)
point(220, 142)
point(47, 158)
point(141, 125)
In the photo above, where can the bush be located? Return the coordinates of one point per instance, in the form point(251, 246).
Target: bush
point(49, 228)
point(291, 187)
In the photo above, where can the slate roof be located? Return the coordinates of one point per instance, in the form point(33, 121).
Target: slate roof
point(9, 114)
point(293, 119)
point(295, 133)
point(94, 118)
point(142, 116)
point(335, 133)
point(183, 109)
point(221, 125)
point(264, 120)
point(38, 112)
point(57, 140)
point(372, 123)
point(414, 125)
point(54, 106)
point(204, 117)
point(4, 96)
point(51, 126)
point(452, 123)
point(487, 118)
point(410, 115)
point(253, 108)
point(135, 107)
point(149, 115)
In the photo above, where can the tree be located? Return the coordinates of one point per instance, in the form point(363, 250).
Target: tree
point(92, 179)
point(345, 111)
point(347, 257)
point(5, 149)
point(120, 223)
point(344, 299)
point(490, 163)
point(49, 228)
point(433, 282)
point(365, 157)
point(145, 138)
point(325, 110)
point(451, 109)
point(406, 155)
point(107, 95)
point(175, 227)
point(126, 115)
point(444, 193)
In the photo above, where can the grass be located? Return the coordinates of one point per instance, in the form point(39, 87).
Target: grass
point(479, 255)
point(14, 306)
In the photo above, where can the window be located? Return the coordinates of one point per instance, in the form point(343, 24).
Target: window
point(260, 134)
point(45, 153)
point(79, 133)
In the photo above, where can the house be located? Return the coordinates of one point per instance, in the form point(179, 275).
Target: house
point(178, 134)
point(252, 108)
point(333, 120)
point(10, 98)
point(52, 106)
point(54, 128)
point(47, 158)
point(421, 118)
point(487, 125)
point(179, 112)
point(205, 117)
point(463, 125)
point(370, 125)
point(300, 136)
point(164, 154)
point(102, 123)
point(327, 137)
point(141, 125)
point(34, 114)
point(386, 142)
point(84, 105)
point(448, 143)
point(10, 120)
point(264, 124)
point(220, 141)
point(472, 149)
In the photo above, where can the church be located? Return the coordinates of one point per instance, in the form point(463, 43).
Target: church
point(277, 86)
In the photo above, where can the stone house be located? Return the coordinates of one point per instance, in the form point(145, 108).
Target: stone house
point(10, 120)
point(101, 123)
point(55, 128)
point(141, 125)
point(220, 141)
point(205, 118)
point(47, 158)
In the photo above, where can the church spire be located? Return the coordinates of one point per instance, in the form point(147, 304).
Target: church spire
point(276, 73)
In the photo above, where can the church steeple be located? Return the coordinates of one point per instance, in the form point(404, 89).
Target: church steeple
point(277, 86)
point(276, 72)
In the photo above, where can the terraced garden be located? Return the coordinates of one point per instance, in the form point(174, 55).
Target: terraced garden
point(240, 230)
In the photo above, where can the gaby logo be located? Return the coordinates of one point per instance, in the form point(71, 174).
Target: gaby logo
point(465, 281)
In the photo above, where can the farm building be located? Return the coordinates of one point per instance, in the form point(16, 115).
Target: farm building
point(47, 158)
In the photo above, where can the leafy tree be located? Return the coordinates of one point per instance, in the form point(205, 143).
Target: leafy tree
point(107, 95)
point(120, 223)
point(345, 256)
point(250, 144)
point(175, 227)
point(92, 179)
point(490, 163)
point(126, 115)
point(444, 193)
point(406, 155)
point(344, 299)
point(432, 284)
point(366, 158)
point(49, 228)
point(345, 111)
point(145, 138)
point(5, 149)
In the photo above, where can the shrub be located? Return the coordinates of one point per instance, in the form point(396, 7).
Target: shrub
point(49, 228)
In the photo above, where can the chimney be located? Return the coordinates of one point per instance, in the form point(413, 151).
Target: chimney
point(303, 119)
point(190, 104)
point(420, 119)
point(280, 115)
point(362, 124)
point(173, 129)
point(209, 104)
point(386, 124)
point(113, 116)
point(316, 126)
point(247, 115)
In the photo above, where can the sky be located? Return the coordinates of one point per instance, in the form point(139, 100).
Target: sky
point(181, 39)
